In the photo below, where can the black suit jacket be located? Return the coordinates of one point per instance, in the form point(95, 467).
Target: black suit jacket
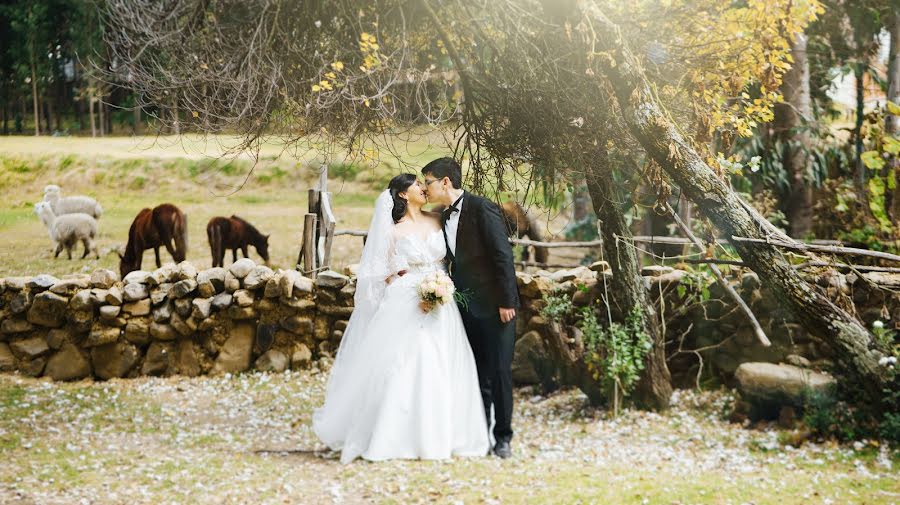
point(483, 264)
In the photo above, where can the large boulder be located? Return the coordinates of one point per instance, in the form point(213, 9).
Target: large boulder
point(331, 279)
point(243, 298)
point(101, 334)
point(114, 360)
point(242, 267)
point(183, 288)
point(272, 361)
point(159, 360)
point(12, 326)
point(234, 356)
point(115, 296)
point(138, 308)
point(187, 361)
point(68, 363)
point(56, 338)
point(137, 277)
point(137, 331)
point(82, 300)
point(67, 286)
point(298, 325)
point(769, 386)
point(41, 282)
point(185, 270)
point(103, 278)
point(30, 348)
point(214, 276)
point(529, 358)
point(135, 291)
point(7, 360)
point(258, 277)
point(21, 302)
point(301, 357)
point(48, 309)
point(202, 308)
point(221, 301)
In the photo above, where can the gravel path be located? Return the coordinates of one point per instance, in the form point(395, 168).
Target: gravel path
point(247, 439)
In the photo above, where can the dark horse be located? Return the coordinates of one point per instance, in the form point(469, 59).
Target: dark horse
point(164, 225)
point(519, 224)
point(234, 233)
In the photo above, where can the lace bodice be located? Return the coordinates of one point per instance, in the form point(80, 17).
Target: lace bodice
point(415, 253)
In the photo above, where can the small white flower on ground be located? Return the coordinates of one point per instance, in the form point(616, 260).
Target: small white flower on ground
point(878, 325)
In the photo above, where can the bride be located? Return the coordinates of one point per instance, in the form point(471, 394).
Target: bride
point(403, 383)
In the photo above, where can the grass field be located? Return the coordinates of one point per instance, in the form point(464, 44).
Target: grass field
point(128, 174)
point(247, 439)
point(198, 175)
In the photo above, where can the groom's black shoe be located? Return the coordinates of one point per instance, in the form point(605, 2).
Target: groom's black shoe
point(502, 449)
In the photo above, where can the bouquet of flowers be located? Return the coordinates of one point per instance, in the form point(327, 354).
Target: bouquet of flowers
point(436, 289)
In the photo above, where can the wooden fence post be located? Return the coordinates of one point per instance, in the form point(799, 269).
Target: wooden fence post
point(308, 250)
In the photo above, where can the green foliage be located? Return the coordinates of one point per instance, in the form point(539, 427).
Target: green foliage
point(557, 307)
point(346, 171)
point(830, 417)
point(583, 230)
point(615, 355)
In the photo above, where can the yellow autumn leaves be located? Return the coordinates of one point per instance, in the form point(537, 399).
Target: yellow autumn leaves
point(369, 47)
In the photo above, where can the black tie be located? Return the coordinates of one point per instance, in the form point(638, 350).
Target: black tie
point(445, 215)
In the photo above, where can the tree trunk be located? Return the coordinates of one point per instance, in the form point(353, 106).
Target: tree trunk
point(34, 96)
point(851, 343)
point(6, 109)
point(860, 167)
point(790, 119)
point(626, 289)
point(100, 118)
point(50, 112)
point(138, 127)
point(91, 113)
point(892, 122)
point(176, 127)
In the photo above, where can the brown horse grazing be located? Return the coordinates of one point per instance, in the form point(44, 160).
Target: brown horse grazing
point(519, 224)
point(234, 233)
point(161, 226)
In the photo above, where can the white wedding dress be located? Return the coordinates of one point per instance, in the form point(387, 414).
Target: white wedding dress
point(404, 383)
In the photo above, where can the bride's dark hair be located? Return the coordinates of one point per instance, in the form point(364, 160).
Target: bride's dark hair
point(399, 185)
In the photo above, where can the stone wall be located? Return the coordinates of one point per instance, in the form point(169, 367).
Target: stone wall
point(715, 325)
point(177, 320)
point(174, 320)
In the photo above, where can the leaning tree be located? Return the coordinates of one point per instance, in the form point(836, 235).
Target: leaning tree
point(545, 91)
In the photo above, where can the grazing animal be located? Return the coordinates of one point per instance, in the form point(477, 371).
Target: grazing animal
point(69, 229)
point(164, 225)
point(519, 224)
point(234, 233)
point(71, 204)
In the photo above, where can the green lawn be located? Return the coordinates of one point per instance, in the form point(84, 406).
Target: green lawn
point(247, 439)
point(127, 174)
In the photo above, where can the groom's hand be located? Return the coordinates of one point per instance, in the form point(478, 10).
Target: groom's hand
point(507, 315)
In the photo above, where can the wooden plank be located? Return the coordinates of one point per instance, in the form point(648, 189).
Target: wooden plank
point(328, 224)
point(309, 245)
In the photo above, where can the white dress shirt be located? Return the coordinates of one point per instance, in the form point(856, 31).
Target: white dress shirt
point(453, 225)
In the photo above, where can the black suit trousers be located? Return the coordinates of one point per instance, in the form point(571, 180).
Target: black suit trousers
point(492, 344)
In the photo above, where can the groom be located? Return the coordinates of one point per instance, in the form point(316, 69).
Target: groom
point(481, 265)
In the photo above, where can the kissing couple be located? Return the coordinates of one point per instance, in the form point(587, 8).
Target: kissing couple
point(425, 363)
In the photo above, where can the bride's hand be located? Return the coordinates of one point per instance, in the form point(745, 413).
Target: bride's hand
point(425, 306)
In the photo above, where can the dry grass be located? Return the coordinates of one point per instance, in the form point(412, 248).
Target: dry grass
point(127, 174)
point(247, 439)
